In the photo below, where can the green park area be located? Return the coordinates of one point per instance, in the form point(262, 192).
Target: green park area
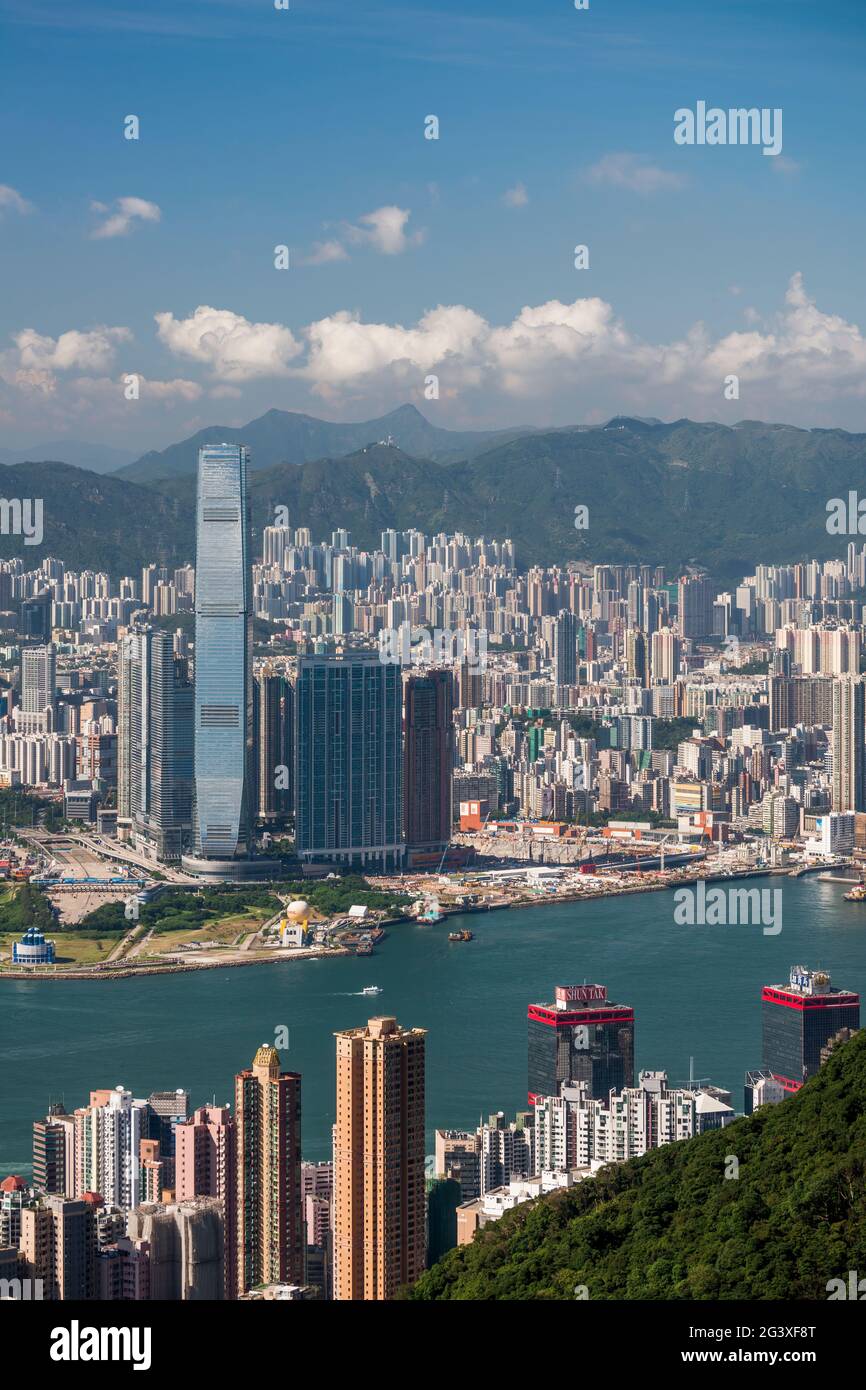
point(177, 917)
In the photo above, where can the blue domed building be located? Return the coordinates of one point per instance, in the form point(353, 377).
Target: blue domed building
point(33, 949)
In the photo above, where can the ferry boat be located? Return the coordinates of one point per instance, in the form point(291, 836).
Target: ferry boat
point(857, 894)
point(372, 989)
point(464, 935)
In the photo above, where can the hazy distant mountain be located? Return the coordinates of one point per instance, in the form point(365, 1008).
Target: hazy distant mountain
point(98, 458)
point(727, 497)
point(96, 522)
point(283, 436)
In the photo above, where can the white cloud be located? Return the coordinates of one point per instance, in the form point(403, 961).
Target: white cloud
point(343, 350)
point(234, 348)
point(91, 350)
point(110, 390)
point(807, 350)
point(576, 360)
point(516, 197)
point(783, 165)
point(554, 348)
point(634, 172)
point(324, 252)
point(12, 201)
point(178, 389)
point(385, 230)
point(126, 212)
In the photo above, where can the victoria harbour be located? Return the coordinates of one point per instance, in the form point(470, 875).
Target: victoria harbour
point(696, 992)
point(433, 673)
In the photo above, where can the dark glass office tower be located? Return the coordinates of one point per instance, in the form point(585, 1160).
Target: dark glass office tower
point(35, 623)
point(224, 773)
point(799, 1019)
point(580, 1037)
point(154, 745)
point(428, 759)
point(273, 718)
point(565, 649)
point(348, 761)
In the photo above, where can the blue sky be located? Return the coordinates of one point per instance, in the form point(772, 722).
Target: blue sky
point(305, 127)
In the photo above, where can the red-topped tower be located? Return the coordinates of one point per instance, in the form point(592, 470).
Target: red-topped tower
point(799, 1019)
point(581, 1036)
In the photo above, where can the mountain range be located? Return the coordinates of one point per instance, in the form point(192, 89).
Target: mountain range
point(725, 497)
point(283, 436)
point(98, 458)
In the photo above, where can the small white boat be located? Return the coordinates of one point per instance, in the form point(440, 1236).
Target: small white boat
point(371, 989)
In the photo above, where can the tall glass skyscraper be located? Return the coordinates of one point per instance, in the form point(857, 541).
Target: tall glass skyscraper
point(348, 761)
point(154, 744)
point(224, 772)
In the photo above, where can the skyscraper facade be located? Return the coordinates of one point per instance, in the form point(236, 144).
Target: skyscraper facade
point(269, 1229)
point(695, 605)
point(379, 1191)
point(581, 1036)
point(36, 713)
point(348, 761)
point(848, 790)
point(224, 772)
point(428, 759)
point(273, 719)
point(799, 1019)
point(54, 1153)
point(206, 1166)
point(154, 744)
point(38, 679)
point(565, 649)
point(108, 1134)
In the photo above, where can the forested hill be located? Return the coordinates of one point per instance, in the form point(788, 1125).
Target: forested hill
point(670, 1225)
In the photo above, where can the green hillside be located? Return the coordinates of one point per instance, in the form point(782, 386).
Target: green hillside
point(724, 497)
point(727, 498)
point(95, 521)
point(670, 1226)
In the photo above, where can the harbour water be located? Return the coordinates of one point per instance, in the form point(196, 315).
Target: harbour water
point(695, 991)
